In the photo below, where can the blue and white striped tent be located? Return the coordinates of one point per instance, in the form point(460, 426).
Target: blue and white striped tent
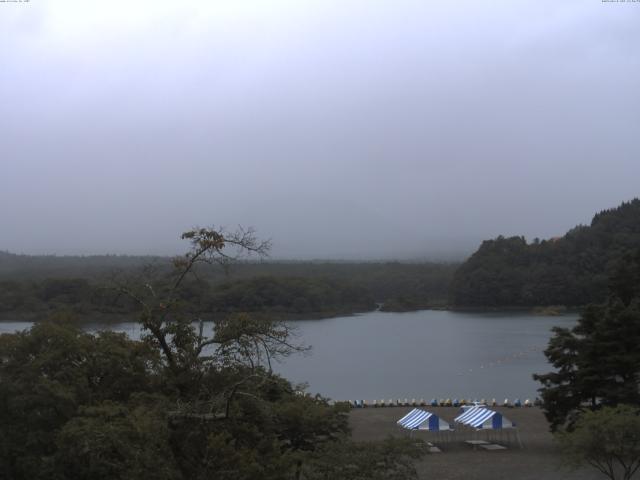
point(483, 418)
point(418, 419)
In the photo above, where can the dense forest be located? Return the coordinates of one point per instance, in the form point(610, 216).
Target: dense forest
point(182, 403)
point(34, 285)
point(504, 272)
point(571, 270)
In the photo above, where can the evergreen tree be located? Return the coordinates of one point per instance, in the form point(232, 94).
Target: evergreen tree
point(571, 270)
point(598, 361)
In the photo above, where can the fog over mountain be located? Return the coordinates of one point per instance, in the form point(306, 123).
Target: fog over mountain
point(340, 129)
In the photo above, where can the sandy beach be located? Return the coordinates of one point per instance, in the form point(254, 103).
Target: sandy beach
point(538, 459)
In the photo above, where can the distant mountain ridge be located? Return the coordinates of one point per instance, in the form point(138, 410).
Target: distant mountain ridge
point(571, 270)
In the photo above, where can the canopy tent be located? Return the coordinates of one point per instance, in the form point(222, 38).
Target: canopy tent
point(482, 419)
point(418, 419)
point(466, 411)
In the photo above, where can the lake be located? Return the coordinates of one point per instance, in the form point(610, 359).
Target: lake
point(425, 354)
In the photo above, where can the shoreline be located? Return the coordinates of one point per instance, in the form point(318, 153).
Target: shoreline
point(112, 318)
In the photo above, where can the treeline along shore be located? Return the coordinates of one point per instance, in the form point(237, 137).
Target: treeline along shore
point(32, 286)
point(549, 276)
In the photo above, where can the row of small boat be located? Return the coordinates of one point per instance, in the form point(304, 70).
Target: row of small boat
point(517, 403)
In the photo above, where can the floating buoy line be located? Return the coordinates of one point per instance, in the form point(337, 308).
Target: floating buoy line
point(506, 359)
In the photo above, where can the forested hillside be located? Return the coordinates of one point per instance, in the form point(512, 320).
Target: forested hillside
point(571, 270)
point(34, 285)
point(282, 297)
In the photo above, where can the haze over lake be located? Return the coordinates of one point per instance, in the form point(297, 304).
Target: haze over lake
point(428, 354)
point(340, 129)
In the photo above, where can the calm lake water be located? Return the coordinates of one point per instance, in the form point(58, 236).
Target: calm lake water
point(423, 354)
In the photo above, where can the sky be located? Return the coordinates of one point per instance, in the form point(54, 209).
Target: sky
point(346, 129)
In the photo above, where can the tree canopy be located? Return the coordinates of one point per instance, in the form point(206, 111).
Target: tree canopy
point(290, 290)
point(571, 270)
point(607, 439)
point(597, 362)
point(182, 403)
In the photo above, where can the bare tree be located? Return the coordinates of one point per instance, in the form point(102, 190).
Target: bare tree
point(239, 341)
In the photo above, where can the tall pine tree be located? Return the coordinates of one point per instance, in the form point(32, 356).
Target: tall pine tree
point(598, 361)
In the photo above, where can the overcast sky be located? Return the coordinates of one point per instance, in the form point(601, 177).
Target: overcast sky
point(343, 129)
